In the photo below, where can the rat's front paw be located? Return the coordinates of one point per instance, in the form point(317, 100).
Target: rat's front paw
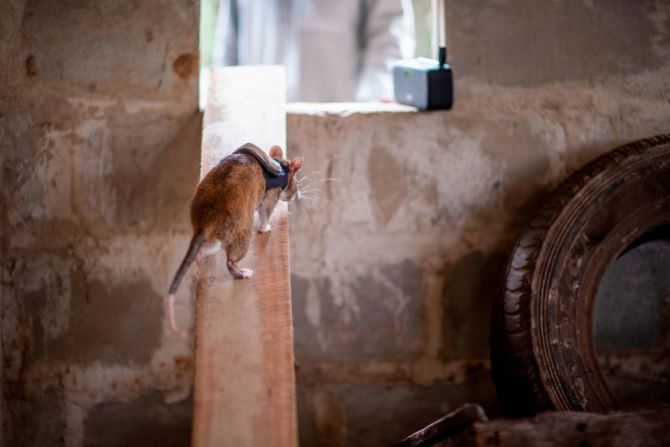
point(264, 229)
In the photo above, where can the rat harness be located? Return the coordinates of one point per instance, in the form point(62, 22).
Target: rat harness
point(275, 172)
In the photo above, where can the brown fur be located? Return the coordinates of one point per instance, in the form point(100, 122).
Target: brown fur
point(224, 203)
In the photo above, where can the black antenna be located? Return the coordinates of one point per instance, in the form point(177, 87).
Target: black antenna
point(439, 33)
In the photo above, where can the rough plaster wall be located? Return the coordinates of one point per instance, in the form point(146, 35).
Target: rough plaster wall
point(396, 266)
point(100, 147)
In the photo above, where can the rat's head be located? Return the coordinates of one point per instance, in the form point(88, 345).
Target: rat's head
point(292, 166)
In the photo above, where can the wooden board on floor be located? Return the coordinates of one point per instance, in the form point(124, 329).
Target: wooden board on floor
point(648, 428)
point(244, 366)
point(644, 428)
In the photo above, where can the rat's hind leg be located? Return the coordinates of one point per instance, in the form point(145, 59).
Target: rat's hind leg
point(236, 251)
point(208, 248)
point(239, 272)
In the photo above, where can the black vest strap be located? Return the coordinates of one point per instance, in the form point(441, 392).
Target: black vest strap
point(272, 180)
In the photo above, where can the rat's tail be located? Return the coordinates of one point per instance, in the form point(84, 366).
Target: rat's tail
point(196, 242)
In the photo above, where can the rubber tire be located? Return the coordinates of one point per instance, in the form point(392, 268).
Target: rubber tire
point(542, 352)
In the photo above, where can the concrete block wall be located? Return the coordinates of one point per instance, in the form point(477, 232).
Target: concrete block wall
point(397, 259)
point(394, 266)
point(99, 138)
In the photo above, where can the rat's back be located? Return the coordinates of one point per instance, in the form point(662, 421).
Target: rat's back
point(222, 209)
point(224, 201)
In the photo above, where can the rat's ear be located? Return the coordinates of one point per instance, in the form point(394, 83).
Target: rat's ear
point(276, 152)
point(295, 165)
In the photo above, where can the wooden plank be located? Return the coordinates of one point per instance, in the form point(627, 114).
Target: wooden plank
point(244, 366)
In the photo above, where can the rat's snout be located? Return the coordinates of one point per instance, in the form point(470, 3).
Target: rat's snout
point(291, 195)
point(297, 195)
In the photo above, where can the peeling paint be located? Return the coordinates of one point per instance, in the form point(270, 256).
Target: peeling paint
point(387, 184)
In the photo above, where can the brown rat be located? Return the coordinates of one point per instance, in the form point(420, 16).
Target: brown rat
point(222, 208)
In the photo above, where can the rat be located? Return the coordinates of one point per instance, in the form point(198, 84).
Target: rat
point(222, 208)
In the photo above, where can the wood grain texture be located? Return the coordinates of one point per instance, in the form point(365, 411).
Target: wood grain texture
point(244, 365)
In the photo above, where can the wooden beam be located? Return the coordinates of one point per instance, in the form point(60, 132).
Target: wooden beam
point(244, 366)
